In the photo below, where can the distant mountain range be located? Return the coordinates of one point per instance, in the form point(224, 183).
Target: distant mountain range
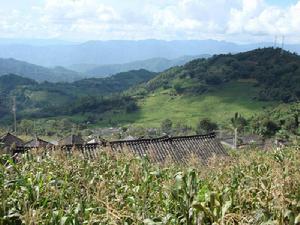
point(154, 65)
point(53, 53)
point(38, 73)
point(61, 74)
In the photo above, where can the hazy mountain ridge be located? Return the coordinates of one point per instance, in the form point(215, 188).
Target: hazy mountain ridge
point(120, 52)
point(36, 72)
point(154, 64)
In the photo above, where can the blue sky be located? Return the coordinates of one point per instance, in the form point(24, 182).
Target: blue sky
point(281, 2)
point(231, 20)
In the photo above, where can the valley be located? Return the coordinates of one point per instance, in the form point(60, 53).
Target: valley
point(216, 88)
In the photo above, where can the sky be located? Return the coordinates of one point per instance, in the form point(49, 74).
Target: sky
point(242, 21)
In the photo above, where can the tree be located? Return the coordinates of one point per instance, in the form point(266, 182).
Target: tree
point(166, 126)
point(131, 107)
point(26, 127)
point(238, 122)
point(205, 126)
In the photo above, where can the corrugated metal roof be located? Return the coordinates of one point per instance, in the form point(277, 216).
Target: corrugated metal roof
point(177, 149)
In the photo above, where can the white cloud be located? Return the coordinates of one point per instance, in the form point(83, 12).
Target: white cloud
point(257, 18)
point(169, 19)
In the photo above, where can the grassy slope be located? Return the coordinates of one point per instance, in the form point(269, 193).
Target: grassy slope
point(219, 105)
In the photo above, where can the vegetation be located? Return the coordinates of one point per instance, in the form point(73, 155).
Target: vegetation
point(282, 121)
point(55, 99)
point(275, 71)
point(248, 83)
point(206, 126)
point(253, 187)
point(219, 105)
point(37, 73)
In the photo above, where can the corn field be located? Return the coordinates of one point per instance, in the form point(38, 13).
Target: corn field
point(250, 187)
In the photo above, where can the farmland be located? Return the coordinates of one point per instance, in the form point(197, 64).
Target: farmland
point(250, 187)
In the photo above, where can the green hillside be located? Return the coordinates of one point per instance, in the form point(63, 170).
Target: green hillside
point(219, 105)
point(95, 95)
point(214, 88)
point(218, 87)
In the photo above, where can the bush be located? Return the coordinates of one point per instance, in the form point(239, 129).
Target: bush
point(166, 126)
point(206, 126)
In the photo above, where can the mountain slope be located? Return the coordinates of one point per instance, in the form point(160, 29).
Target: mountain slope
point(36, 100)
point(217, 88)
point(35, 72)
point(276, 72)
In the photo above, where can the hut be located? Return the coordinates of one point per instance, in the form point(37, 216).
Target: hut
point(71, 140)
point(8, 140)
point(38, 143)
point(176, 149)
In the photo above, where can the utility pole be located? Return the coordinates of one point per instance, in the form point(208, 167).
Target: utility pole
point(282, 44)
point(14, 110)
point(275, 41)
point(235, 138)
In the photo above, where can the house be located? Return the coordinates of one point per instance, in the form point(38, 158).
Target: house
point(38, 143)
point(8, 140)
point(71, 140)
point(176, 149)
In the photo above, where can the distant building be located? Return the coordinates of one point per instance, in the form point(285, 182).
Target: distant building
point(176, 149)
point(8, 140)
point(71, 140)
point(38, 143)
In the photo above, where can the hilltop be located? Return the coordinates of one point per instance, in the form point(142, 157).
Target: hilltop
point(218, 87)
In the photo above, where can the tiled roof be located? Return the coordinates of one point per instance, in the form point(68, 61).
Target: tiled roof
point(9, 139)
point(71, 140)
point(177, 149)
point(37, 143)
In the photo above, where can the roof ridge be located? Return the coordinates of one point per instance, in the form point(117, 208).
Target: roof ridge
point(209, 135)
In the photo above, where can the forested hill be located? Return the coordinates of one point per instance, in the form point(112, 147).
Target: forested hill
point(35, 72)
point(54, 99)
point(275, 71)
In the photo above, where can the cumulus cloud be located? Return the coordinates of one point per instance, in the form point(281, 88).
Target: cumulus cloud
point(257, 18)
point(170, 19)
